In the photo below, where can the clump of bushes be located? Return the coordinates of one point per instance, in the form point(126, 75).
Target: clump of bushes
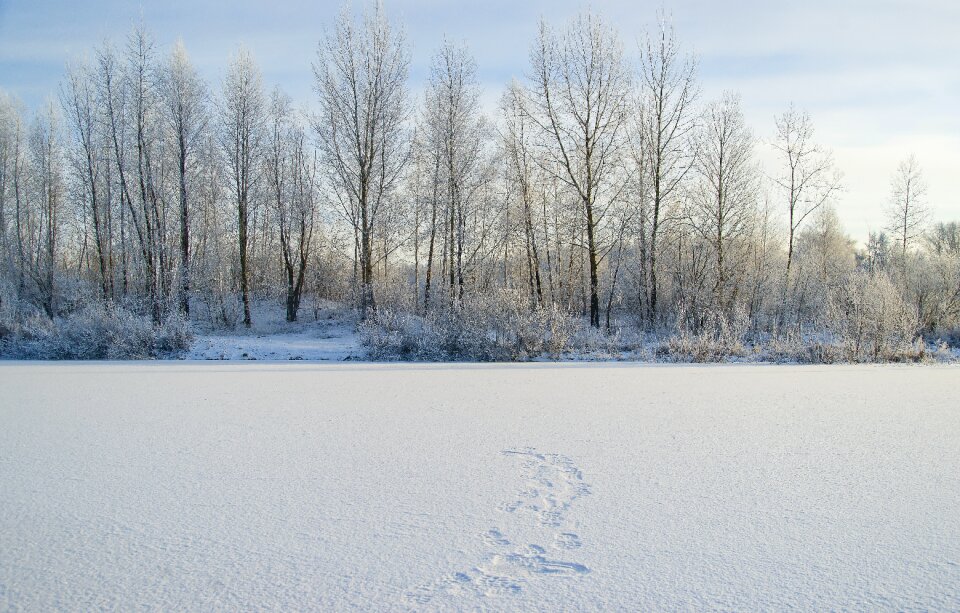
point(94, 332)
point(500, 326)
point(872, 323)
point(715, 336)
point(864, 319)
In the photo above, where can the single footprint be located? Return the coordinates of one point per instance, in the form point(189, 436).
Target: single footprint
point(495, 538)
point(496, 585)
point(422, 594)
point(533, 560)
point(567, 540)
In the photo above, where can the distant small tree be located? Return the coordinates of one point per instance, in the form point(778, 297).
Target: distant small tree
point(908, 214)
point(808, 178)
point(825, 255)
point(877, 257)
point(944, 238)
point(871, 319)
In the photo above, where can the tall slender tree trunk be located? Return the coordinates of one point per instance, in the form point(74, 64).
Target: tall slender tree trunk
point(244, 285)
point(184, 233)
point(430, 248)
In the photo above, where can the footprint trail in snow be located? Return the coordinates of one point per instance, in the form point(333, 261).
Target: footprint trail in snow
point(552, 482)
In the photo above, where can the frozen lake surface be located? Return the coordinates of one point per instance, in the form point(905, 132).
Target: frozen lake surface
point(202, 486)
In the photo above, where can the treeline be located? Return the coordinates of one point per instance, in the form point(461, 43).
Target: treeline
point(603, 190)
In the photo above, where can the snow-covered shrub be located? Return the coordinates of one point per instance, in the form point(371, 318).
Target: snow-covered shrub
point(872, 322)
point(174, 336)
point(392, 335)
point(95, 332)
point(491, 327)
point(100, 332)
point(9, 309)
point(222, 309)
point(791, 348)
point(530, 332)
point(18, 333)
point(596, 343)
point(714, 336)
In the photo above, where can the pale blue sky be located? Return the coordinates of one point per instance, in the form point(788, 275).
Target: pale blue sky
point(880, 77)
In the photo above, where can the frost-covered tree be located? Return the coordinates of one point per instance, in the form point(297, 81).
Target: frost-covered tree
point(185, 103)
point(455, 131)
point(579, 98)
point(8, 118)
point(148, 213)
point(79, 101)
point(877, 253)
point(723, 203)
point(243, 113)
point(44, 214)
point(291, 177)
point(524, 179)
point(361, 73)
point(667, 118)
point(808, 178)
point(908, 214)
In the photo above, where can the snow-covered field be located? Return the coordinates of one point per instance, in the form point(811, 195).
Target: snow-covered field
point(225, 486)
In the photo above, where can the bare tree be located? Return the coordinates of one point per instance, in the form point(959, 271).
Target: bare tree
point(80, 105)
point(112, 98)
point(9, 127)
point(809, 179)
point(723, 203)
point(425, 183)
point(149, 216)
point(455, 128)
point(291, 177)
point(668, 92)
point(908, 213)
point(361, 72)
point(518, 147)
point(20, 190)
point(185, 105)
point(48, 188)
point(579, 98)
point(242, 125)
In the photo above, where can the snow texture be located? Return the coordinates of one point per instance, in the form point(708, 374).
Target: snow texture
point(541, 487)
point(333, 338)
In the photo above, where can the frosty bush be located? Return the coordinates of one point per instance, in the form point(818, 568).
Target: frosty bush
point(174, 336)
point(872, 322)
point(223, 309)
point(714, 336)
point(493, 327)
point(94, 332)
point(865, 320)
